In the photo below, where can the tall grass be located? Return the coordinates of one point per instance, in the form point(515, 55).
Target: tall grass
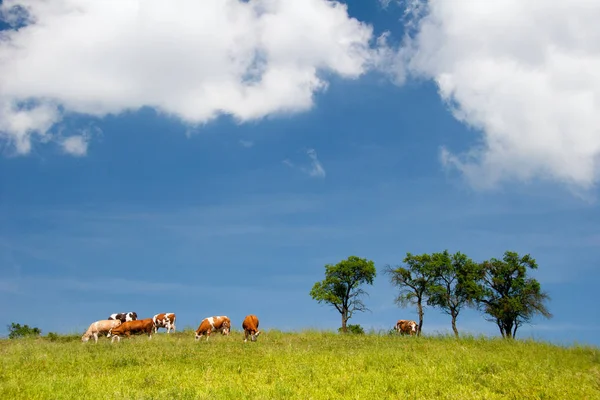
point(303, 365)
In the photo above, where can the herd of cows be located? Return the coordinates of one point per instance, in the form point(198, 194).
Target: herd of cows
point(127, 324)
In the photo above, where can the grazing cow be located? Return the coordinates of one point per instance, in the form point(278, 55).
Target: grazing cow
point(132, 327)
point(99, 327)
point(250, 326)
point(213, 324)
point(164, 320)
point(124, 317)
point(406, 326)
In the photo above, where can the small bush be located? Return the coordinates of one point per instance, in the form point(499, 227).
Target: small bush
point(16, 331)
point(354, 329)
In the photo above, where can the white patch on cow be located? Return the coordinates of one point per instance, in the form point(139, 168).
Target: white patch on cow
point(211, 321)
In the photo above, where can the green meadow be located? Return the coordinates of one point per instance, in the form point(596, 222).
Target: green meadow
point(296, 365)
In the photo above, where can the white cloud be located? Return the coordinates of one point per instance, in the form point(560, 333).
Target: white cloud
point(524, 73)
point(316, 168)
point(75, 145)
point(186, 58)
point(246, 143)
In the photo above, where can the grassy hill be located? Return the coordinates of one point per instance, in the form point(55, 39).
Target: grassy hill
point(304, 365)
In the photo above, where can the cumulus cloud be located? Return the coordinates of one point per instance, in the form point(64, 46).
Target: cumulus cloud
point(190, 59)
point(526, 74)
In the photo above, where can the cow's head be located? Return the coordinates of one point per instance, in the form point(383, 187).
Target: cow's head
point(254, 336)
point(130, 316)
point(413, 327)
point(109, 334)
point(85, 337)
point(226, 328)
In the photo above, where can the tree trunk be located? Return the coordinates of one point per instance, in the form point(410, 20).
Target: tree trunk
point(420, 308)
point(454, 324)
point(500, 327)
point(344, 320)
point(507, 329)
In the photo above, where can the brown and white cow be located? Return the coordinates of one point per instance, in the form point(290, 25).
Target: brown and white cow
point(124, 317)
point(250, 326)
point(164, 320)
point(208, 325)
point(99, 327)
point(132, 327)
point(406, 326)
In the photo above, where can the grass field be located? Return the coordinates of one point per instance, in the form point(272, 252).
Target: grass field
point(304, 365)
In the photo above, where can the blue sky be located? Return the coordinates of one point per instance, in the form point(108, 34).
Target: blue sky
point(111, 205)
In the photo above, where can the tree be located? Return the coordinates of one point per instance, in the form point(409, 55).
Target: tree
point(341, 286)
point(505, 292)
point(453, 277)
point(414, 281)
point(18, 331)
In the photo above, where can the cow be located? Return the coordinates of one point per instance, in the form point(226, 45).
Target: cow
point(99, 327)
point(164, 320)
point(132, 327)
point(406, 326)
point(124, 317)
point(250, 326)
point(213, 324)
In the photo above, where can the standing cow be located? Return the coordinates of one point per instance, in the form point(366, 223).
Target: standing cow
point(132, 327)
point(208, 325)
point(124, 317)
point(250, 326)
point(99, 327)
point(164, 320)
point(406, 326)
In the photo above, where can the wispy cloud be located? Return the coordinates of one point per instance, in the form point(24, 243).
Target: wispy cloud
point(314, 168)
point(246, 143)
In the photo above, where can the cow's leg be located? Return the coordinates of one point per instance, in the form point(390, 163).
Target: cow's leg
point(95, 334)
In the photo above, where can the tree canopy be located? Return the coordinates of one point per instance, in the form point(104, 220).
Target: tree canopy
point(453, 276)
point(507, 295)
point(341, 286)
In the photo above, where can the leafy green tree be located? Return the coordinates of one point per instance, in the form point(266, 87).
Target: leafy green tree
point(453, 275)
point(341, 286)
point(507, 295)
point(413, 281)
point(18, 331)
